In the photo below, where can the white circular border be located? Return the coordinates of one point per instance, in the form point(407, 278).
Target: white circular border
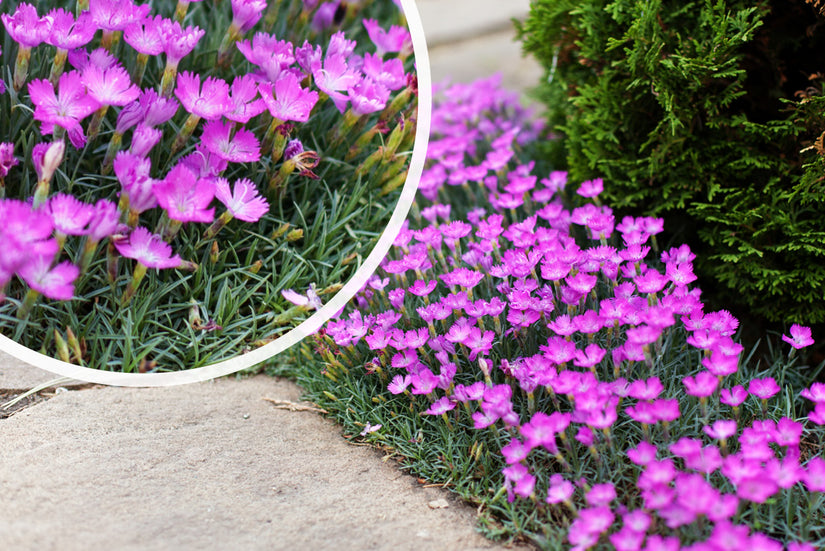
point(320, 317)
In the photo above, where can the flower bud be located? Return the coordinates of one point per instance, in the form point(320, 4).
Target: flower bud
point(295, 235)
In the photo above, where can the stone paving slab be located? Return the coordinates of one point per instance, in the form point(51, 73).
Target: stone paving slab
point(20, 376)
point(208, 466)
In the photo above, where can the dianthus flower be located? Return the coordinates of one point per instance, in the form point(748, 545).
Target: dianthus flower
point(184, 197)
point(287, 100)
point(67, 108)
point(240, 146)
point(800, 336)
point(396, 39)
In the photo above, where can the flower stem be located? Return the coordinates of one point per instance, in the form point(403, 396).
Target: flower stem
point(137, 276)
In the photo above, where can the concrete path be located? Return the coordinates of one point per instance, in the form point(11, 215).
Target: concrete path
point(214, 465)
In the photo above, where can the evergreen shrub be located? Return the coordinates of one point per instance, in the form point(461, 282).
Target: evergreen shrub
point(709, 113)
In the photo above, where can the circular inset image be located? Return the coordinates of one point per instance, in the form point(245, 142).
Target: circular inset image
point(201, 184)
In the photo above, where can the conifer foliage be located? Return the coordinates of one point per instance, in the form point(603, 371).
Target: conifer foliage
point(709, 113)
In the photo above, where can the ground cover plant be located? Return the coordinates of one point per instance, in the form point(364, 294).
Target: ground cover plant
point(557, 367)
point(179, 183)
point(709, 114)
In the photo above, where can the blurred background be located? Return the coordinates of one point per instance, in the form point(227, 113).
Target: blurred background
point(470, 39)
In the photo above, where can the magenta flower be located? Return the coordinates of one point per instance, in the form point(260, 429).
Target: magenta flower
point(178, 42)
point(111, 86)
point(396, 39)
point(70, 215)
point(116, 15)
point(286, 100)
point(591, 188)
point(590, 356)
point(389, 74)
point(66, 108)
point(245, 13)
point(816, 393)
point(800, 336)
point(368, 97)
point(734, 396)
point(148, 249)
point(239, 147)
point(721, 429)
point(703, 384)
point(440, 406)
point(25, 26)
point(273, 56)
point(53, 282)
point(65, 33)
point(210, 101)
point(244, 93)
point(763, 388)
point(185, 197)
point(7, 160)
point(334, 77)
point(518, 481)
point(146, 36)
point(560, 490)
point(243, 202)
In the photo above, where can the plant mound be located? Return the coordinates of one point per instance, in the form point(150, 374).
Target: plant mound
point(169, 173)
point(707, 113)
point(548, 362)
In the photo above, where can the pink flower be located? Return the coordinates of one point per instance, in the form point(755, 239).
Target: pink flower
point(70, 215)
point(368, 97)
point(816, 393)
point(116, 15)
point(273, 56)
point(590, 356)
point(800, 336)
point(148, 249)
point(111, 86)
point(53, 282)
point(290, 102)
point(560, 489)
point(25, 26)
point(184, 197)
point(703, 384)
point(389, 74)
point(734, 396)
point(146, 36)
point(243, 201)
point(518, 481)
point(333, 77)
point(244, 92)
point(397, 39)
point(721, 429)
point(66, 33)
point(66, 108)
point(178, 42)
point(7, 159)
point(210, 102)
point(763, 388)
point(440, 406)
point(591, 188)
point(245, 13)
point(239, 147)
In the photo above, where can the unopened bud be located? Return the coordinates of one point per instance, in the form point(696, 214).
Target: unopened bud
point(281, 230)
point(256, 267)
point(52, 157)
point(295, 235)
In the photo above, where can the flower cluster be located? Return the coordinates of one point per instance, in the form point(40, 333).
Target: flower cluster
point(619, 403)
point(192, 137)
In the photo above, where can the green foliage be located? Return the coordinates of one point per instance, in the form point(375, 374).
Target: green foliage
point(706, 113)
point(316, 233)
